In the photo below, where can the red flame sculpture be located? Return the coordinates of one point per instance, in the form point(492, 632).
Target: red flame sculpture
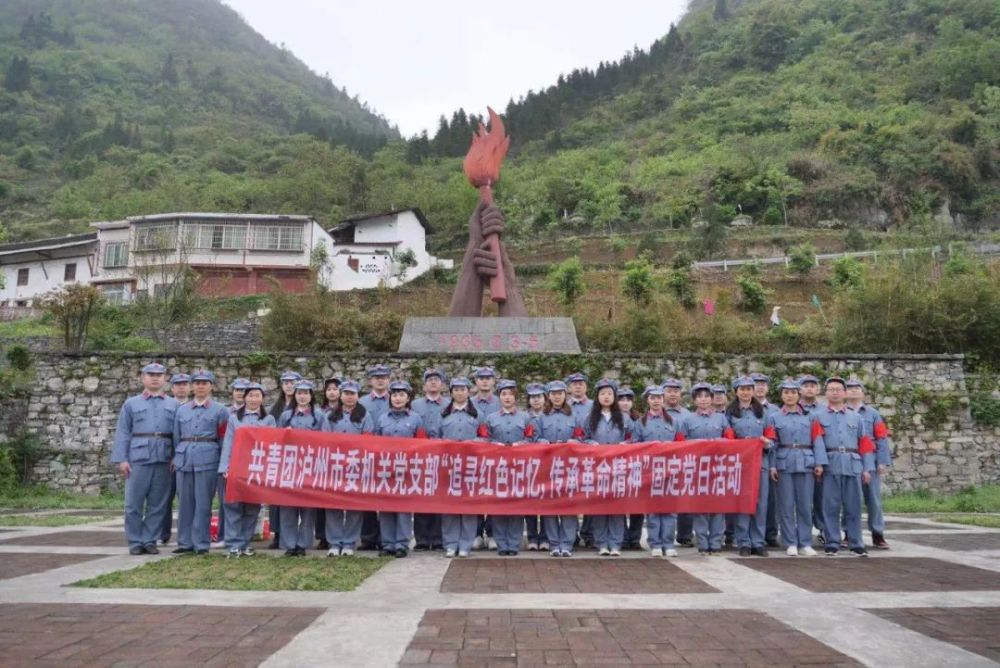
point(482, 167)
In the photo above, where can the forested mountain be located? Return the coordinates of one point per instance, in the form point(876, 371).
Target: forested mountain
point(875, 112)
point(145, 90)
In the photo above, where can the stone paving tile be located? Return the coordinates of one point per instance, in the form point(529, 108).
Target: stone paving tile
point(612, 637)
point(892, 525)
point(72, 539)
point(847, 573)
point(956, 542)
point(974, 629)
point(116, 635)
point(570, 576)
point(15, 565)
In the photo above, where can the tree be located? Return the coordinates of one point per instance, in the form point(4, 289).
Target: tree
point(402, 262)
point(566, 279)
point(721, 11)
point(18, 77)
point(168, 286)
point(169, 72)
point(637, 284)
point(753, 296)
point(847, 273)
point(73, 308)
point(801, 260)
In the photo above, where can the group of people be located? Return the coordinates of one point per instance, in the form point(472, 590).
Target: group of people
point(821, 458)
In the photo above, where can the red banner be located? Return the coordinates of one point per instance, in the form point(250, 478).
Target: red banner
point(293, 467)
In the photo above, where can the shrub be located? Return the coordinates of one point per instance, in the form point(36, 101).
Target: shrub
point(753, 296)
point(801, 260)
point(19, 357)
point(317, 322)
point(847, 273)
point(637, 284)
point(566, 280)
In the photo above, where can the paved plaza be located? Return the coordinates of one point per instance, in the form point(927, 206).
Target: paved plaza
point(932, 600)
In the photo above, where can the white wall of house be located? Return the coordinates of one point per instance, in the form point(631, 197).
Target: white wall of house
point(38, 275)
point(377, 241)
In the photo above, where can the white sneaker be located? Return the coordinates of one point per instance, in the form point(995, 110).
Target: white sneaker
point(656, 552)
point(670, 552)
point(792, 551)
point(616, 553)
point(532, 547)
point(543, 546)
point(347, 552)
point(450, 553)
point(807, 552)
point(555, 553)
point(491, 543)
point(566, 553)
point(333, 552)
point(463, 554)
point(604, 552)
point(477, 544)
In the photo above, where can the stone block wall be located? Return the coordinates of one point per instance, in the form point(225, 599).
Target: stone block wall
point(76, 399)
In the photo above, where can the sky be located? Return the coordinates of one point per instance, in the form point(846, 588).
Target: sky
point(414, 61)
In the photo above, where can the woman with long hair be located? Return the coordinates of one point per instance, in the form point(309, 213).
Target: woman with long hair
point(607, 425)
point(343, 527)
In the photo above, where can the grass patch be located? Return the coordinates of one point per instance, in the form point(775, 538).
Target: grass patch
point(51, 520)
point(43, 498)
point(260, 573)
point(991, 521)
point(983, 499)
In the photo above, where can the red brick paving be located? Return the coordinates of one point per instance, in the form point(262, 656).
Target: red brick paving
point(14, 565)
point(72, 539)
point(847, 573)
point(974, 629)
point(570, 576)
point(956, 542)
point(114, 635)
point(612, 637)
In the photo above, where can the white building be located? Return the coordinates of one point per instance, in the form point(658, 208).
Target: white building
point(370, 250)
point(32, 268)
point(234, 254)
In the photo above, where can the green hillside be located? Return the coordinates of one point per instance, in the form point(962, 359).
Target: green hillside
point(115, 107)
point(874, 113)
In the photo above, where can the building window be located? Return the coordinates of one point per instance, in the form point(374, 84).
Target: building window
point(115, 293)
point(215, 237)
point(22, 277)
point(277, 237)
point(69, 273)
point(155, 237)
point(115, 254)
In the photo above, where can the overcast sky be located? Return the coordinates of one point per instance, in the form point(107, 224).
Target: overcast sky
point(413, 61)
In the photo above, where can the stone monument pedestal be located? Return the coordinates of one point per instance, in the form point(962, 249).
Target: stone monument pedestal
point(489, 335)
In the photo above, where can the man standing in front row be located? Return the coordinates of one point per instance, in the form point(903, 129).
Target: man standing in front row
point(143, 448)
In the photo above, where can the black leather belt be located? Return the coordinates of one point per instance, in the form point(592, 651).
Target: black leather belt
point(797, 447)
point(842, 449)
point(200, 439)
point(157, 434)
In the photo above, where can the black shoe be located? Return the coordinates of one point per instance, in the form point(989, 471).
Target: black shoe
point(151, 549)
point(878, 540)
point(400, 553)
point(773, 543)
point(702, 552)
point(688, 542)
point(728, 542)
point(300, 552)
point(859, 551)
point(831, 551)
point(182, 550)
point(821, 539)
point(273, 545)
point(386, 553)
point(369, 547)
point(292, 552)
point(758, 551)
point(137, 550)
point(164, 539)
point(201, 552)
point(420, 547)
point(437, 547)
point(745, 551)
point(323, 544)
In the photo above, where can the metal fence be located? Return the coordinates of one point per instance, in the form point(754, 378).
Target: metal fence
point(933, 251)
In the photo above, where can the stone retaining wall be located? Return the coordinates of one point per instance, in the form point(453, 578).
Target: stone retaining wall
point(923, 397)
